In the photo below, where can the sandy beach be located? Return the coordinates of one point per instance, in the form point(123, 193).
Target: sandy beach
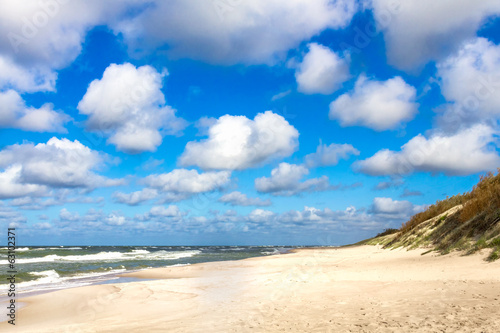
point(353, 289)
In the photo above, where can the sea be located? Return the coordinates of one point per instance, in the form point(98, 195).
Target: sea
point(47, 268)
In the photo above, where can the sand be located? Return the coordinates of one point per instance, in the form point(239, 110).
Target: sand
point(355, 289)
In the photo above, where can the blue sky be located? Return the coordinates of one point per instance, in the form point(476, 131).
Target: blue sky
point(237, 122)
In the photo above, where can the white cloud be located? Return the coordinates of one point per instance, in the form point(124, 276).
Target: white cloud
point(260, 215)
point(170, 211)
point(240, 199)
point(183, 181)
point(162, 213)
point(128, 106)
point(66, 215)
point(236, 142)
point(329, 155)
point(136, 197)
point(52, 197)
point(322, 71)
point(114, 219)
point(380, 105)
point(470, 79)
point(39, 37)
point(58, 163)
point(27, 79)
point(286, 180)
point(463, 153)
point(304, 217)
point(15, 114)
point(388, 206)
point(224, 32)
point(94, 219)
point(12, 186)
point(383, 213)
point(418, 31)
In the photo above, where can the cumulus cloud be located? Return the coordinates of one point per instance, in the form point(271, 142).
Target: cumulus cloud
point(128, 106)
point(181, 183)
point(135, 198)
point(95, 219)
point(170, 211)
point(329, 155)
point(383, 213)
point(53, 197)
point(114, 219)
point(240, 199)
point(66, 215)
point(15, 114)
point(470, 80)
point(25, 79)
point(390, 207)
point(380, 105)
point(161, 214)
point(321, 71)
point(13, 187)
point(286, 180)
point(260, 215)
point(29, 168)
point(39, 37)
point(466, 152)
point(237, 143)
point(418, 31)
point(227, 33)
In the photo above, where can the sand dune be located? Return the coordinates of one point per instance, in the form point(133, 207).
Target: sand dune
point(355, 289)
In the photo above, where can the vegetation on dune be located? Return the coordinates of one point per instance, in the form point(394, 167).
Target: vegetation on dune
point(386, 232)
point(467, 222)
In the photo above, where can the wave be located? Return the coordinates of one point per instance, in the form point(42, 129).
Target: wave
point(64, 248)
point(274, 251)
point(17, 249)
point(50, 279)
point(233, 248)
point(113, 256)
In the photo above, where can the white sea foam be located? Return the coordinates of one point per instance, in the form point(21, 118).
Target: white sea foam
point(65, 248)
point(52, 280)
point(274, 251)
point(113, 256)
point(140, 251)
point(50, 276)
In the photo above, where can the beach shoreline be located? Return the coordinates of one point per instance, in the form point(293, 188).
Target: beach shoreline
point(358, 289)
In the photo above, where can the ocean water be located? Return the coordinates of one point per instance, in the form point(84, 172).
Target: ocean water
point(49, 268)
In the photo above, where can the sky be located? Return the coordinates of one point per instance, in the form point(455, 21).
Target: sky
point(234, 122)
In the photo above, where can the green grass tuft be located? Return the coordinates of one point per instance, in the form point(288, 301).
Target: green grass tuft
point(494, 255)
point(495, 242)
